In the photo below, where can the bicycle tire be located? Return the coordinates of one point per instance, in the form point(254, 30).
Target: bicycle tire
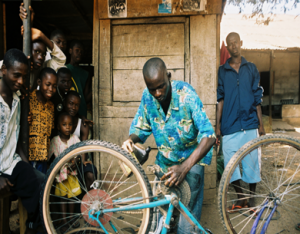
point(99, 147)
point(284, 144)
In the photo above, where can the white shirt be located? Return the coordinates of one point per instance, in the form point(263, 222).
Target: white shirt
point(55, 58)
point(9, 134)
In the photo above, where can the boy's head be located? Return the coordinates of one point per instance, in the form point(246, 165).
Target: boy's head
point(59, 39)
point(47, 82)
point(14, 69)
point(76, 51)
point(38, 54)
point(65, 124)
point(157, 79)
point(64, 82)
point(234, 44)
point(72, 103)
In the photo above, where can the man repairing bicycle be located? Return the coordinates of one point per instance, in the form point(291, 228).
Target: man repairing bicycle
point(184, 136)
point(239, 117)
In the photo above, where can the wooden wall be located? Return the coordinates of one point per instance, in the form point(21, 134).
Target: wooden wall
point(149, 8)
point(188, 44)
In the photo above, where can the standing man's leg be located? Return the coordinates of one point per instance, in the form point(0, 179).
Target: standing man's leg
point(251, 164)
point(195, 179)
point(231, 144)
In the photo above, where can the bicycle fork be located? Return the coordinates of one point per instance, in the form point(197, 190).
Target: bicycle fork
point(264, 229)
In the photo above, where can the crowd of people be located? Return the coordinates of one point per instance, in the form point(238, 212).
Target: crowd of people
point(58, 98)
point(170, 110)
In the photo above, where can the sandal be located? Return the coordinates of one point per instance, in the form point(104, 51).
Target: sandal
point(236, 208)
point(298, 227)
point(252, 211)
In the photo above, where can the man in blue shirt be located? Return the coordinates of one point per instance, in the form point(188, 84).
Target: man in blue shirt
point(184, 136)
point(239, 116)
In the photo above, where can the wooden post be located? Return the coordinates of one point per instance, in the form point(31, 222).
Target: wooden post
point(271, 87)
point(24, 131)
point(22, 217)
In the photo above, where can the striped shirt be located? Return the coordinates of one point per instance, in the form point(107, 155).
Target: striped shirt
point(9, 134)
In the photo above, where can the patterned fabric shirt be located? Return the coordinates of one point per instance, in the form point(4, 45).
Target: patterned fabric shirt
point(57, 146)
point(178, 133)
point(40, 129)
point(9, 134)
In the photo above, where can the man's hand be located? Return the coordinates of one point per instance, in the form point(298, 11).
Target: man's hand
point(23, 13)
point(176, 175)
point(261, 130)
point(87, 121)
point(127, 145)
point(5, 185)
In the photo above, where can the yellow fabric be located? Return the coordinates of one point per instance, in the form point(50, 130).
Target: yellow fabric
point(40, 129)
point(69, 187)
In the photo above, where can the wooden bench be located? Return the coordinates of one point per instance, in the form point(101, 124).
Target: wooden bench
point(4, 214)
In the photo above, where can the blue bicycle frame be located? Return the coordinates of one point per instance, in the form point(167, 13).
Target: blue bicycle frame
point(168, 200)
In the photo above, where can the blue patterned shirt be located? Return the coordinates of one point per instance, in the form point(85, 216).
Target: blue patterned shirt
point(178, 133)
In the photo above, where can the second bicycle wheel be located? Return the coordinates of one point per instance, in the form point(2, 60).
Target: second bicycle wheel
point(64, 210)
point(279, 172)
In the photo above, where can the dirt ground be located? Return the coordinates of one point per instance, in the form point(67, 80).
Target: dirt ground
point(210, 215)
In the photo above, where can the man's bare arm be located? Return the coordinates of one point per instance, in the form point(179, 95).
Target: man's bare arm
point(84, 134)
point(21, 153)
point(219, 117)
point(261, 129)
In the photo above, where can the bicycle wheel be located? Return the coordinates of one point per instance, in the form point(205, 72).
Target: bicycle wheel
point(57, 211)
point(279, 172)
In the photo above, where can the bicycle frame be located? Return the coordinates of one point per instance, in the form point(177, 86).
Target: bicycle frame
point(168, 200)
point(264, 229)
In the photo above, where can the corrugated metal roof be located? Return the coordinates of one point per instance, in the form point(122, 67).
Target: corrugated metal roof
point(280, 34)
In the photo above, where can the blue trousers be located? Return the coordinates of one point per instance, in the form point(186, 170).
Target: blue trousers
point(195, 178)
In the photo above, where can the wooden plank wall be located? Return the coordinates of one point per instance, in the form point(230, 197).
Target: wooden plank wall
point(133, 45)
point(149, 8)
point(205, 57)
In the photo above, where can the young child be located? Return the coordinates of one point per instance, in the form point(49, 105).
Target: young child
point(42, 110)
point(71, 105)
point(67, 183)
point(80, 77)
point(64, 84)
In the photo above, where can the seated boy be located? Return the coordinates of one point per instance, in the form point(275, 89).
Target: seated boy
point(16, 174)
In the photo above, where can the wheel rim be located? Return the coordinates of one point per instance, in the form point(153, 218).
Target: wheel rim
point(114, 184)
point(280, 166)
